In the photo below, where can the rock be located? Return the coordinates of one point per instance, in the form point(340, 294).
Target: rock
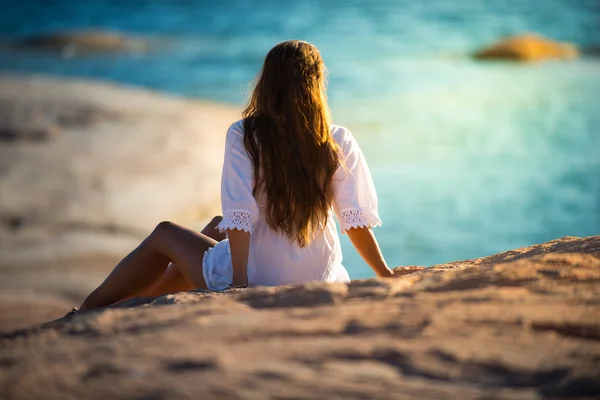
point(527, 48)
point(523, 324)
point(27, 133)
point(89, 168)
point(399, 271)
point(20, 309)
point(39, 121)
point(83, 41)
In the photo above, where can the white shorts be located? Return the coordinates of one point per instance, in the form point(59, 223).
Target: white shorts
point(218, 269)
point(216, 266)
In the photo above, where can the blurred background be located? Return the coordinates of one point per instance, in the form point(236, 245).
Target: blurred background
point(470, 157)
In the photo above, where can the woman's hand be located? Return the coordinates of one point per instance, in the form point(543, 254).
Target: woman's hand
point(388, 273)
point(239, 283)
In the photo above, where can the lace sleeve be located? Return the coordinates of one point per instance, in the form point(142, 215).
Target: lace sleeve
point(355, 198)
point(237, 219)
point(358, 218)
point(240, 210)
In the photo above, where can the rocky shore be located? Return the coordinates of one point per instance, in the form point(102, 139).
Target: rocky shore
point(524, 324)
point(87, 169)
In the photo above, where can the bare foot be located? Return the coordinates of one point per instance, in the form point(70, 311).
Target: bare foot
point(73, 311)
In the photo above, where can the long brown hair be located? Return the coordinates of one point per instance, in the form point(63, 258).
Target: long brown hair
point(288, 137)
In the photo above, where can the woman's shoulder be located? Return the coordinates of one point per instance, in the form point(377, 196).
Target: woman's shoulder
point(237, 128)
point(343, 137)
point(235, 135)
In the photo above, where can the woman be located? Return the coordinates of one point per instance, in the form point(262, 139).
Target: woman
point(287, 171)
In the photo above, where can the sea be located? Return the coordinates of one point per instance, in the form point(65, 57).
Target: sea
point(469, 158)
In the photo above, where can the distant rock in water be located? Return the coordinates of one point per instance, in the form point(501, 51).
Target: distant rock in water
point(85, 41)
point(527, 48)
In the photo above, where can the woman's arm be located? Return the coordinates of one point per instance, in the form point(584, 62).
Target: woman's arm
point(365, 243)
point(239, 244)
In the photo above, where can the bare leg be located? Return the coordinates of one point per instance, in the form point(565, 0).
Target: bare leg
point(173, 281)
point(147, 263)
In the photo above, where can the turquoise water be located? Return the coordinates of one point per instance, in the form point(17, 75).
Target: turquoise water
point(469, 158)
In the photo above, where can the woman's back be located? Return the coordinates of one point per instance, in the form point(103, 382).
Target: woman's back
point(286, 172)
point(275, 259)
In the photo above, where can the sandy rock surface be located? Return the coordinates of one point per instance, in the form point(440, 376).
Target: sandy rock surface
point(22, 308)
point(89, 168)
point(519, 325)
point(527, 48)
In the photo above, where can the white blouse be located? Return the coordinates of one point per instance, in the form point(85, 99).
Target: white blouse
point(274, 259)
